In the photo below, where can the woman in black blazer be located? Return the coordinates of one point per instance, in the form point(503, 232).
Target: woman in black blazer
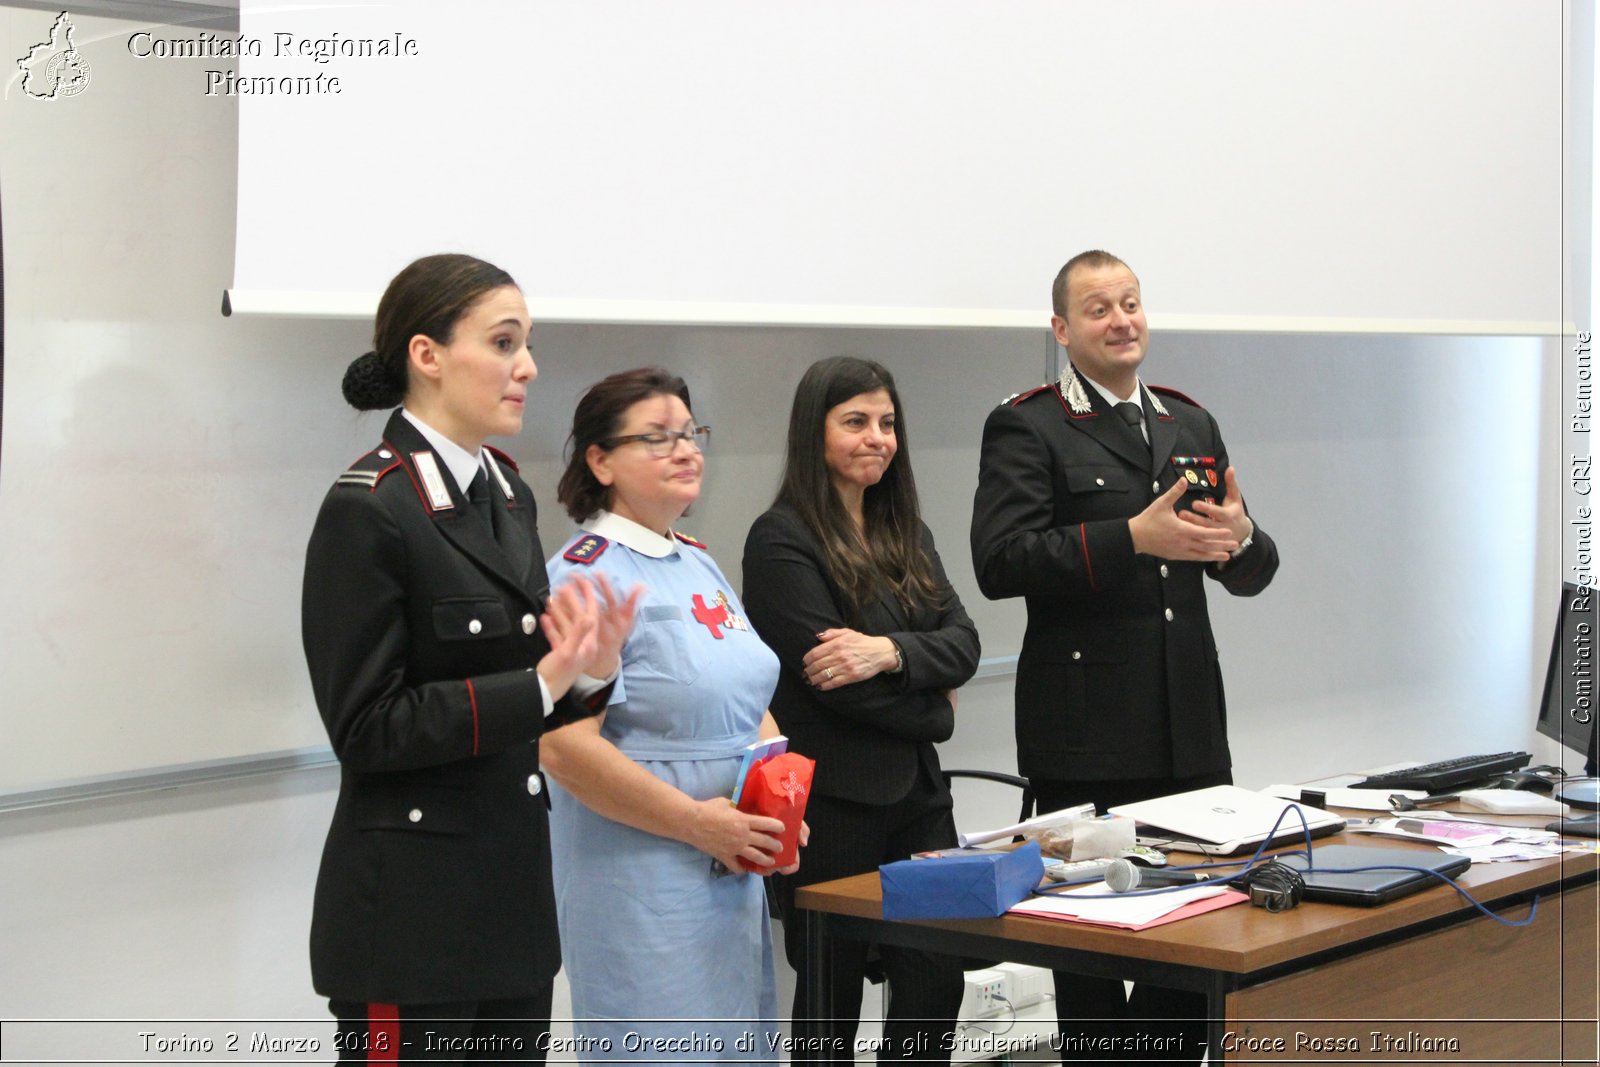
point(842, 581)
point(437, 658)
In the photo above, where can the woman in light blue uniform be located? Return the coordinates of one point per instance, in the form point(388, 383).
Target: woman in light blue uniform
point(652, 930)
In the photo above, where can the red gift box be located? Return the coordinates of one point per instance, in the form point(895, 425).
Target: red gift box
point(778, 788)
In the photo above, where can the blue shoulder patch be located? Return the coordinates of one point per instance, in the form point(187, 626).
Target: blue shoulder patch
point(586, 549)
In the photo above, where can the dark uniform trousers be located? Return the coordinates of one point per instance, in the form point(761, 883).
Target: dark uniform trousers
point(486, 1031)
point(1171, 1021)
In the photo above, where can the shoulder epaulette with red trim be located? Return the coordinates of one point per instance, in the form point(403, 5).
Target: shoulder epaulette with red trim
point(503, 459)
point(1016, 398)
point(370, 469)
point(1174, 394)
point(586, 549)
point(686, 539)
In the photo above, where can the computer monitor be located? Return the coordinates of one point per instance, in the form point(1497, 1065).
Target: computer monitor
point(1571, 700)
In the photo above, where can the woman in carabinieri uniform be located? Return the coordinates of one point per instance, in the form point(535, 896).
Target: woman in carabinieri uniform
point(842, 580)
point(437, 659)
point(642, 830)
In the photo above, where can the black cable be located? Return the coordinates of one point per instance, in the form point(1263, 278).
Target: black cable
point(1246, 863)
point(1274, 886)
point(1252, 864)
point(1011, 1022)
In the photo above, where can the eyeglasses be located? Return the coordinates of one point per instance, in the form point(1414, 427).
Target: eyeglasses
point(662, 443)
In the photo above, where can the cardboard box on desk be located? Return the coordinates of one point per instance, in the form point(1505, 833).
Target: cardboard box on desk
point(965, 885)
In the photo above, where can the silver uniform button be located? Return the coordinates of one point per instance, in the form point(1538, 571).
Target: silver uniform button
point(415, 815)
point(474, 627)
point(1099, 481)
point(1169, 614)
point(384, 453)
point(1155, 487)
point(1077, 655)
point(529, 623)
point(1163, 570)
point(535, 785)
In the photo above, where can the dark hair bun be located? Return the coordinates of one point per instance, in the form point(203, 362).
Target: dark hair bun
point(368, 385)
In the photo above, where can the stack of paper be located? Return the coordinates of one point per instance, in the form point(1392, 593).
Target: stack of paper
point(1131, 911)
point(1483, 842)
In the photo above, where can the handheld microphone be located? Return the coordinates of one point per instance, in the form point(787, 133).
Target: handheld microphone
point(1124, 876)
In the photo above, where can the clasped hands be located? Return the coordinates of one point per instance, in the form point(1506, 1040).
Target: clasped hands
point(1211, 533)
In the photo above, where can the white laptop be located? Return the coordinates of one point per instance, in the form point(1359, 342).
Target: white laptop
point(1225, 820)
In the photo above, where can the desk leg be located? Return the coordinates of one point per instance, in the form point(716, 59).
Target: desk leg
point(819, 951)
point(1218, 986)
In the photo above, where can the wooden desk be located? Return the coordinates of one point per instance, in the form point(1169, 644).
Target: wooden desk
point(1422, 979)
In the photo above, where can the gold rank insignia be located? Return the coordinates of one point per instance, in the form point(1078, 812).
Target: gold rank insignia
point(586, 549)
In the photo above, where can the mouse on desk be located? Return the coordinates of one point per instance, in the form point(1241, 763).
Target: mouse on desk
point(1529, 780)
point(1583, 826)
point(1143, 855)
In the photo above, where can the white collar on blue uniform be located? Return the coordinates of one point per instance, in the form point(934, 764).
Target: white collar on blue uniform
point(641, 539)
point(464, 466)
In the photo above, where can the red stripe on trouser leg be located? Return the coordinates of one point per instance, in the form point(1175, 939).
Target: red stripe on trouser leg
point(383, 1033)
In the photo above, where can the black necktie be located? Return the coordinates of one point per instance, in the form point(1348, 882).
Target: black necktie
point(1133, 417)
point(478, 494)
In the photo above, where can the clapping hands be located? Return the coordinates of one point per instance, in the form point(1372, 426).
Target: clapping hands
point(586, 628)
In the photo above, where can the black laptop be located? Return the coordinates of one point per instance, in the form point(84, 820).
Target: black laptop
point(1396, 872)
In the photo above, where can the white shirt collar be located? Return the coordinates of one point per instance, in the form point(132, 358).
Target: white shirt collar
point(1113, 399)
point(464, 466)
point(626, 532)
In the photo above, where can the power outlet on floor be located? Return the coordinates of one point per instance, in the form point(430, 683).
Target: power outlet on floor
point(985, 994)
point(1025, 985)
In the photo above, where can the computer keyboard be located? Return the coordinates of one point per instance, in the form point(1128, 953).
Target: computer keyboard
point(1448, 774)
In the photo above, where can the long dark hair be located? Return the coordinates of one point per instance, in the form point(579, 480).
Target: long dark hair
point(888, 551)
point(428, 297)
point(597, 419)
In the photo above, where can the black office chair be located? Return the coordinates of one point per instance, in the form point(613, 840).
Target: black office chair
point(1004, 779)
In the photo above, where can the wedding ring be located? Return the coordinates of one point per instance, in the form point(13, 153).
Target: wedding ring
point(827, 673)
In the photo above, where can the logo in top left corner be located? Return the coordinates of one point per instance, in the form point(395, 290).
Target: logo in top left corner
point(54, 69)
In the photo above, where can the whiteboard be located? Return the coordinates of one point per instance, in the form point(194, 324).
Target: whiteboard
point(1389, 167)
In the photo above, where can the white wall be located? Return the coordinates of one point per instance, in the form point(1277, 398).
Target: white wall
point(1412, 486)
